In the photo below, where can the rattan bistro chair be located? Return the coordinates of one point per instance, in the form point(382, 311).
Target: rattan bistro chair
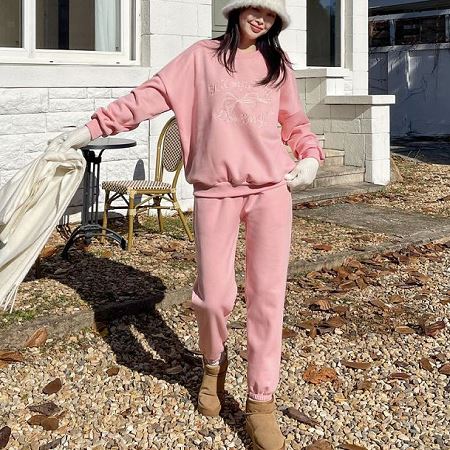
point(168, 157)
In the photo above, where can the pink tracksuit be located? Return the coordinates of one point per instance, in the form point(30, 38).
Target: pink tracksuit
point(234, 157)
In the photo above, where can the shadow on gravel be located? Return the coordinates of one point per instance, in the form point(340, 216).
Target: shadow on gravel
point(101, 283)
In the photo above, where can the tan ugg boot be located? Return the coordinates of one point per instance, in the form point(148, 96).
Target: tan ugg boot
point(261, 425)
point(212, 390)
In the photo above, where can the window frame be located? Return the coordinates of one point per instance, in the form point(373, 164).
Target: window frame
point(130, 45)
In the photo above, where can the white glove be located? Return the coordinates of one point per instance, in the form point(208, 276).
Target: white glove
point(70, 139)
point(303, 174)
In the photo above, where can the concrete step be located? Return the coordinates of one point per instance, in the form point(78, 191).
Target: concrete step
point(333, 157)
point(338, 191)
point(336, 175)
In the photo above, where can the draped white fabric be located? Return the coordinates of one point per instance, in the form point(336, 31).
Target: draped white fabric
point(31, 205)
point(107, 25)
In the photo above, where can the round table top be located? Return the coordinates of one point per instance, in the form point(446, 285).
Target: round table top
point(109, 142)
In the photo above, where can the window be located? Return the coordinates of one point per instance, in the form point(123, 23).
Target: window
point(71, 31)
point(379, 33)
point(420, 30)
point(219, 23)
point(323, 34)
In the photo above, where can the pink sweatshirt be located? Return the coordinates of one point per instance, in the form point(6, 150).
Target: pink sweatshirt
point(228, 127)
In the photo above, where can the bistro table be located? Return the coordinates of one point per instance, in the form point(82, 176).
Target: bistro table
point(91, 191)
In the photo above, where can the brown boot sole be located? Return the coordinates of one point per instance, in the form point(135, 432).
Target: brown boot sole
point(255, 445)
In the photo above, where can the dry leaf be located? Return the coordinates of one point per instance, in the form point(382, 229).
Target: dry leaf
point(432, 329)
point(333, 322)
point(445, 369)
point(321, 304)
point(294, 413)
point(399, 376)
point(347, 285)
point(321, 444)
point(322, 247)
point(48, 250)
point(315, 375)
point(403, 329)
point(364, 385)
point(351, 447)
point(426, 364)
point(379, 304)
point(361, 283)
point(112, 371)
point(396, 298)
point(356, 364)
point(288, 333)
point(46, 409)
point(11, 356)
point(38, 338)
point(243, 354)
point(342, 310)
point(52, 387)
point(5, 433)
point(48, 423)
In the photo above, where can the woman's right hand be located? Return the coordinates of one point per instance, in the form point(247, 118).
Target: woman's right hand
point(70, 139)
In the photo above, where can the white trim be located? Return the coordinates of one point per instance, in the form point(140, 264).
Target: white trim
point(359, 100)
point(322, 72)
point(30, 55)
point(45, 75)
point(391, 48)
point(410, 15)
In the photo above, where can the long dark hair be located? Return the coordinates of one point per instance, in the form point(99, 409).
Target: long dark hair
point(268, 44)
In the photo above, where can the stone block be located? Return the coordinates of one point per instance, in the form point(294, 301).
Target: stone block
point(335, 141)
point(343, 112)
point(23, 101)
point(67, 93)
point(377, 146)
point(378, 171)
point(22, 123)
point(99, 92)
point(354, 150)
point(346, 126)
point(57, 121)
point(70, 105)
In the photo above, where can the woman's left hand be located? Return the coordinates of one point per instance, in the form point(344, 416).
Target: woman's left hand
point(303, 174)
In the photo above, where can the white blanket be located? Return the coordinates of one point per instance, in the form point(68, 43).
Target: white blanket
point(31, 205)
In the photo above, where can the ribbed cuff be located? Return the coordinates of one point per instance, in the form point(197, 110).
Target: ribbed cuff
point(260, 397)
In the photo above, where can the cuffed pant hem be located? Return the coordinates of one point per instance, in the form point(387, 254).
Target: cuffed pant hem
point(260, 397)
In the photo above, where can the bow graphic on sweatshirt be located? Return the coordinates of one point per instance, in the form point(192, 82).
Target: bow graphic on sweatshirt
point(227, 112)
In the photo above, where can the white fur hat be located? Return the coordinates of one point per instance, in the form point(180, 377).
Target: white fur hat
point(278, 6)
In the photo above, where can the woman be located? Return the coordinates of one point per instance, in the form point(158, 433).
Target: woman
point(228, 95)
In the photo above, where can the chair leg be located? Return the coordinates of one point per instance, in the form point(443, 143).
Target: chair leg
point(105, 217)
point(131, 215)
point(184, 221)
point(160, 218)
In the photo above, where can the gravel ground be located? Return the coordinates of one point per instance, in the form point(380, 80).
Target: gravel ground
point(157, 262)
point(425, 188)
point(133, 384)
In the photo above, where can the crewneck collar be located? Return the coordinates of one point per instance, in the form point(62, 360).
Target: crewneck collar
point(245, 54)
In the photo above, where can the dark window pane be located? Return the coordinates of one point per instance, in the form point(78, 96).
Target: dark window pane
point(78, 25)
point(379, 34)
point(425, 30)
point(11, 23)
point(323, 32)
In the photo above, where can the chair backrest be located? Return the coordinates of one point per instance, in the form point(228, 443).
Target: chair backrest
point(169, 152)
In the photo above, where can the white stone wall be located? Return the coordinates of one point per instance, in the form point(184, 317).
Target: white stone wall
point(37, 101)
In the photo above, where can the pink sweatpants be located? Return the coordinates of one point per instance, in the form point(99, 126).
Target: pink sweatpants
point(267, 217)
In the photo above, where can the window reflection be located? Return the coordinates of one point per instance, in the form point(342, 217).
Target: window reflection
point(78, 25)
point(324, 33)
point(11, 24)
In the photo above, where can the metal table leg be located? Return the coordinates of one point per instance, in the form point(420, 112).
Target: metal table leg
point(89, 215)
